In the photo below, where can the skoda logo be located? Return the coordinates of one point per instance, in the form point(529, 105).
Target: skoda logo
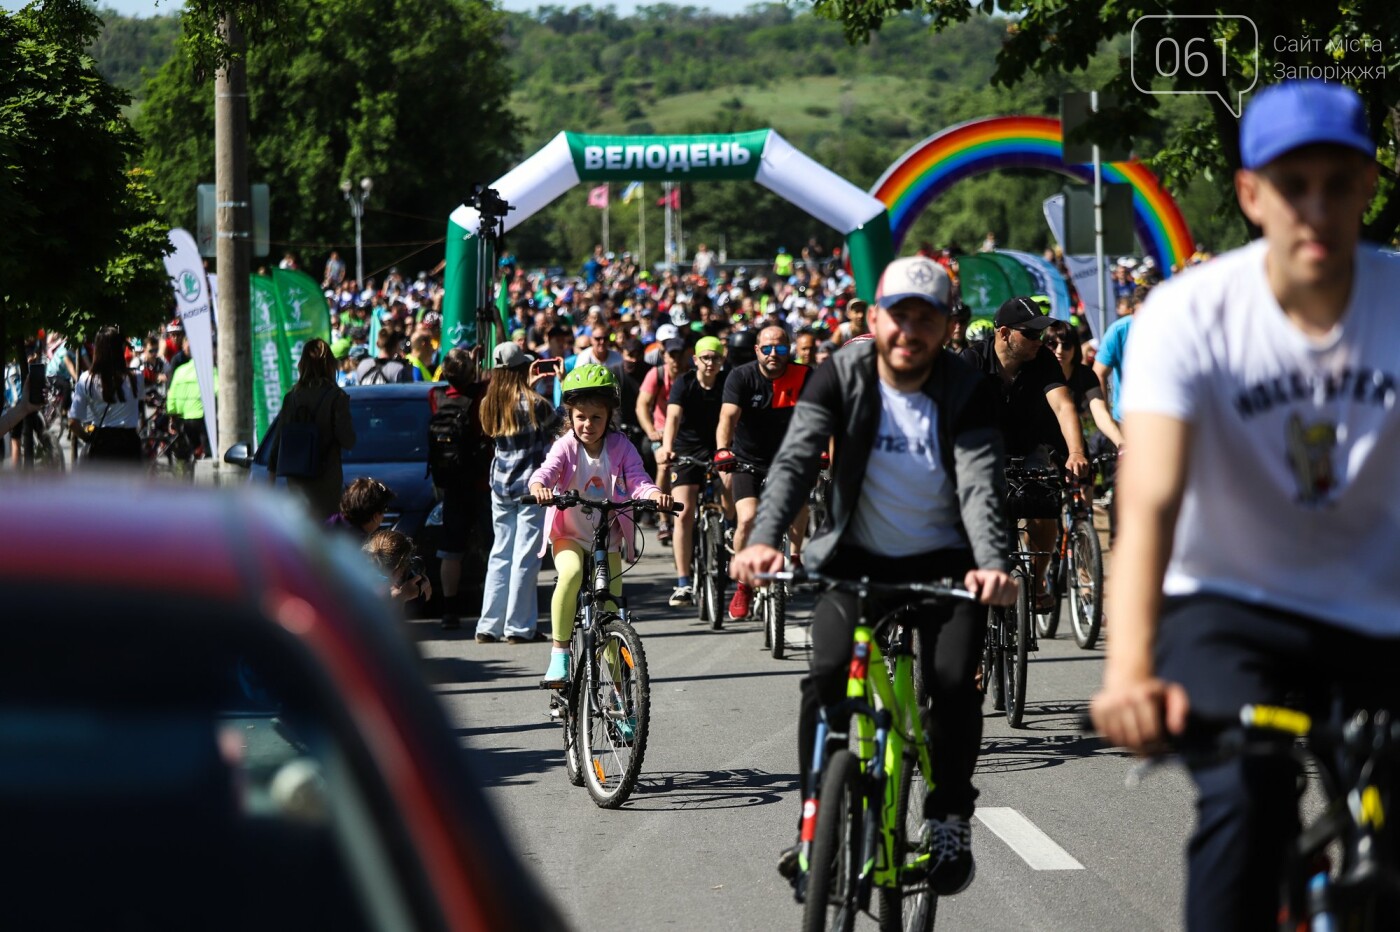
point(189, 285)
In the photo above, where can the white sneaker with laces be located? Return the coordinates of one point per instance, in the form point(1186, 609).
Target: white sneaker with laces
point(684, 595)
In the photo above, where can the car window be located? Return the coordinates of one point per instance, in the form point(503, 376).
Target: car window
point(389, 430)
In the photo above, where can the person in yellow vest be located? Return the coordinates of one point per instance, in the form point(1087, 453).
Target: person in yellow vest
point(782, 264)
point(423, 359)
point(183, 401)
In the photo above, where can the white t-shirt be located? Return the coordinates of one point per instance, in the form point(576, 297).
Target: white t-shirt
point(89, 407)
point(907, 505)
point(1291, 498)
point(591, 478)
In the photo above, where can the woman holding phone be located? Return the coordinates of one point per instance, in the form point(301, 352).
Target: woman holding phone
point(523, 425)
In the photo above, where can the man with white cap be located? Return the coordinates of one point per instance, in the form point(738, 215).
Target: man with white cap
point(1258, 523)
point(916, 494)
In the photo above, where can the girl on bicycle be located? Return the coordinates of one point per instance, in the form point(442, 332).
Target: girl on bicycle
point(596, 460)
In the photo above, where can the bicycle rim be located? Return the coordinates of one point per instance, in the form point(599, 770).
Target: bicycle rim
point(777, 614)
point(1017, 653)
point(701, 567)
point(993, 661)
point(714, 578)
point(831, 887)
point(613, 714)
point(1086, 585)
point(573, 764)
point(1048, 625)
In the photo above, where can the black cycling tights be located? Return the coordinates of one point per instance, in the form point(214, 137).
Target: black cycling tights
point(955, 631)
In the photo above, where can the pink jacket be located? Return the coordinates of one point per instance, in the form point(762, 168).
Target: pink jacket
point(628, 480)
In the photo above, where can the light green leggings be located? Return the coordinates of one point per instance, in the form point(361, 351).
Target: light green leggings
point(568, 562)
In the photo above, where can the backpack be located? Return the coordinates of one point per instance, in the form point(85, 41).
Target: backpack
point(375, 375)
point(300, 453)
point(454, 444)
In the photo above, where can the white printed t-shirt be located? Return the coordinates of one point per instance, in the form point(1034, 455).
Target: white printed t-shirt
point(591, 477)
point(1291, 498)
point(906, 504)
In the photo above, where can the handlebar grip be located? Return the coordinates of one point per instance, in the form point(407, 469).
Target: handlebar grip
point(527, 500)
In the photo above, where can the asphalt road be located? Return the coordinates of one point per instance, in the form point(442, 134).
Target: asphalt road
point(1061, 843)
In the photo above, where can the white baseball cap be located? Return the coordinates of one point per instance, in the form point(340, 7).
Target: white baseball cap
point(914, 277)
point(666, 332)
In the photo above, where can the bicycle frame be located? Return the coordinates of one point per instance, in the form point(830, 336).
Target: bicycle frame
point(883, 730)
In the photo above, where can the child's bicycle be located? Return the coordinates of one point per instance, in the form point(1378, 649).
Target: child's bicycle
point(862, 815)
point(605, 707)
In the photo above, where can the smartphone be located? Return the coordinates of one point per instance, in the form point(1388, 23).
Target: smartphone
point(546, 367)
point(38, 382)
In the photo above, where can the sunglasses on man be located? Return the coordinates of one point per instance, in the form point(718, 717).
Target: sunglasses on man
point(779, 348)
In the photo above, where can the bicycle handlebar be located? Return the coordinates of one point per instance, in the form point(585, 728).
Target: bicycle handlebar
point(865, 586)
point(572, 499)
point(682, 460)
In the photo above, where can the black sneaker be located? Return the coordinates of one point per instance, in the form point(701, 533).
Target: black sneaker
point(788, 864)
point(949, 846)
point(450, 622)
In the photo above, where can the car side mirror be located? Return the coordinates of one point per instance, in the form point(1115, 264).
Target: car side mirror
point(239, 455)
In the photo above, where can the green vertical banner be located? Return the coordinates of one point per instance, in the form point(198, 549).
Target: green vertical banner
point(305, 314)
point(272, 363)
point(984, 284)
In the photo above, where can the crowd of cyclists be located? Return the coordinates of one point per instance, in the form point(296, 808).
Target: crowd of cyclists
point(1255, 395)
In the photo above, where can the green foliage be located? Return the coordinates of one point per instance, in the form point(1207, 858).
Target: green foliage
point(82, 240)
point(128, 50)
point(411, 93)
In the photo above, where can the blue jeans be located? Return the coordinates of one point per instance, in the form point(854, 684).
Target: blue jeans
point(510, 606)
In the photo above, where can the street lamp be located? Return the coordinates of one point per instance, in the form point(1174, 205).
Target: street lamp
point(357, 210)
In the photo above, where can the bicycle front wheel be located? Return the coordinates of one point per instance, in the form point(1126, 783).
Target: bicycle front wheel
point(1085, 584)
point(832, 877)
point(614, 712)
point(701, 567)
point(714, 576)
point(1017, 638)
point(1048, 624)
point(573, 762)
point(994, 659)
point(911, 906)
point(777, 620)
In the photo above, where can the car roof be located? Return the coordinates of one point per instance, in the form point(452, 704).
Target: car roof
point(393, 390)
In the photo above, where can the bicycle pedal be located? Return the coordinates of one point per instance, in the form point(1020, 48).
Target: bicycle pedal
point(556, 685)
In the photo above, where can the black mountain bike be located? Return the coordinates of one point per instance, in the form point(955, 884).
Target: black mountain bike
point(1356, 757)
point(710, 557)
point(605, 707)
point(1075, 571)
point(770, 603)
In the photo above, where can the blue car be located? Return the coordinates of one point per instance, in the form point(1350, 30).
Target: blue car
point(391, 445)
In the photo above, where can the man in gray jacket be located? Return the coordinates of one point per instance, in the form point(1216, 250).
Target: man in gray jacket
point(917, 492)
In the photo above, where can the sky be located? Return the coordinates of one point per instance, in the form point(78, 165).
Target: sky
point(159, 7)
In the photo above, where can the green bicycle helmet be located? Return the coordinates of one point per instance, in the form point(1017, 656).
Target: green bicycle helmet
point(980, 330)
point(589, 380)
point(1041, 301)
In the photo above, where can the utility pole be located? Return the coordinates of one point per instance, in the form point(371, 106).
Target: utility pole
point(234, 224)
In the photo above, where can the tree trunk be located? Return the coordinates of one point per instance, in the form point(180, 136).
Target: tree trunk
point(235, 224)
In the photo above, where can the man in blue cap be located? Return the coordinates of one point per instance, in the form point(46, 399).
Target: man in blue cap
point(1258, 513)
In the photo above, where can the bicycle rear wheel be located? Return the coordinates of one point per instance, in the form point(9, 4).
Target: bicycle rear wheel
point(1048, 624)
point(912, 905)
point(614, 711)
point(1017, 638)
point(831, 880)
point(777, 620)
point(1085, 584)
point(994, 659)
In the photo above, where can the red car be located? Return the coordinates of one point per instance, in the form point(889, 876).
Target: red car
point(208, 720)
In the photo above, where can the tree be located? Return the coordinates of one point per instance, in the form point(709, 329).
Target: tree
point(82, 242)
point(1356, 42)
point(409, 92)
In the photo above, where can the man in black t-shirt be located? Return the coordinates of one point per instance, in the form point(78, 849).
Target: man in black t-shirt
point(758, 402)
point(692, 414)
point(1038, 417)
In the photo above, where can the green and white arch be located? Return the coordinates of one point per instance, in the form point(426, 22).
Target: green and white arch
point(761, 156)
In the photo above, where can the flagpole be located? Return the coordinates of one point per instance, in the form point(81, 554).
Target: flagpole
point(642, 227)
point(607, 207)
point(669, 247)
point(680, 230)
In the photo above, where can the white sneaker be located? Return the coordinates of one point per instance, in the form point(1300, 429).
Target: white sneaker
point(684, 595)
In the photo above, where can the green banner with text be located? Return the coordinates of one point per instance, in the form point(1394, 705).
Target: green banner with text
point(272, 365)
point(305, 314)
point(728, 157)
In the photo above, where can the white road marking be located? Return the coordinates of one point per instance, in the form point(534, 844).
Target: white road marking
point(1021, 834)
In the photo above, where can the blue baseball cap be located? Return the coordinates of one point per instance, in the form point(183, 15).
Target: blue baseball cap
point(1293, 114)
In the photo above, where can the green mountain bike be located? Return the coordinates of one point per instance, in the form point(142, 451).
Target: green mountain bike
point(862, 817)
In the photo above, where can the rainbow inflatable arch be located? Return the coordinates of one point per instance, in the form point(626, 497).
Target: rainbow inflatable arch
point(979, 146)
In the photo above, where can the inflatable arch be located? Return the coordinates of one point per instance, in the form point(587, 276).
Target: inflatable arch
point(979, 146)
point(572, 158)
